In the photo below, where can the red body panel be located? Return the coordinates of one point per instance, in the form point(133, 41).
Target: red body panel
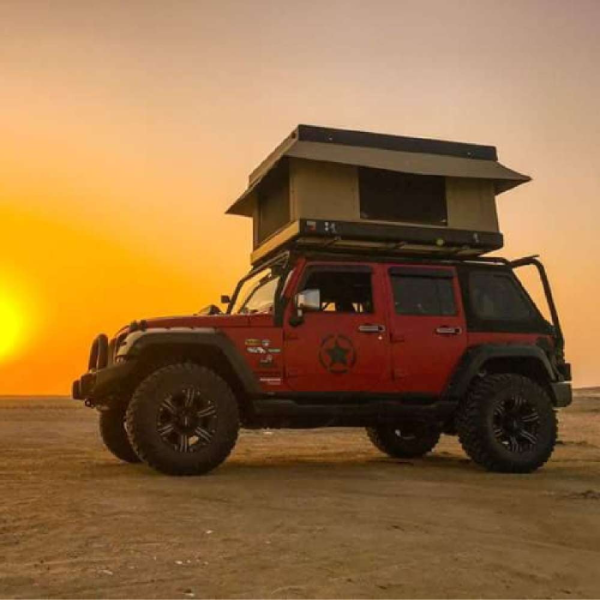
point(256, 338)
point(218, 321)
point(328, 351)
point(261, 345)
point(423, 358)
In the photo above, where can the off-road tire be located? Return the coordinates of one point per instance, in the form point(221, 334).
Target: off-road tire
point(410, 442)
point(114, 435)
point(147, 406)
point(479, 433)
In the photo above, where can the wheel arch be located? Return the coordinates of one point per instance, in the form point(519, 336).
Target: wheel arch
point(527, 360)
point(207, 347)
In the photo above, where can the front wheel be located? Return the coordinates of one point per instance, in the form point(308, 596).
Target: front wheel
point(404, 441)
point(113, 434)
point(183, 420)
point(507, 424)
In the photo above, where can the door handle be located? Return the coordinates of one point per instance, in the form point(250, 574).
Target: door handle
point(446, 330)
point(371, 328)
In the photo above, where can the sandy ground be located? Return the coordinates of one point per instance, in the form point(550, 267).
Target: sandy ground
point(291, 514)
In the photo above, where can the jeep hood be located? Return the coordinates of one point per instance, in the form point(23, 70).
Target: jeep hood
point(221, 321)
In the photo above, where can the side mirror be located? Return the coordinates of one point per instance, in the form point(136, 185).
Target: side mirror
point(305, 300)
point(308, 300)
point(225, 299)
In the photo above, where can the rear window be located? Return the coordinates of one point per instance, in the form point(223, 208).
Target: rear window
point(422, 295)
point(496, 297)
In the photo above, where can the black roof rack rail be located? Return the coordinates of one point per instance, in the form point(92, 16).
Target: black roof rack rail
point(377, 238)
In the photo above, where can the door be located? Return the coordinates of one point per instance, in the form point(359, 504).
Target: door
point(343, 346)
point(427, 324)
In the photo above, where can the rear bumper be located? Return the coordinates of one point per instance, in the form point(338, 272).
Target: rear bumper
point(563, 394)
point(98, 384)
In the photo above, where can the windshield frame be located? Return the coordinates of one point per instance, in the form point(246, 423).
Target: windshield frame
point(279, 266)
point(258, 287)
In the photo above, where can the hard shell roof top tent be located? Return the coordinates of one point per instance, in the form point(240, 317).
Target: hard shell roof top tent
point(353, 190)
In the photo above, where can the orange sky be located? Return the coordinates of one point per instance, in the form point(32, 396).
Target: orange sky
point(127, 128)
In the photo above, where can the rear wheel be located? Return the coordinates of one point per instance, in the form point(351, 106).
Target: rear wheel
point(183, 420)
point(113, 434)
point(404, 441)
point(507, 424)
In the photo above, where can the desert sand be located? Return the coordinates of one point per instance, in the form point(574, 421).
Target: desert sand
point(292, 514)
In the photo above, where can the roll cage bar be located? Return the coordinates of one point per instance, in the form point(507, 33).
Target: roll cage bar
point(533, 261)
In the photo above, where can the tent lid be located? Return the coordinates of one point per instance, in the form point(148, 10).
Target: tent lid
point(382, 151)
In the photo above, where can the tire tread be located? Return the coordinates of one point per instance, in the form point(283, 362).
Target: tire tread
point(382, 438)
point(471, 435)
point(150, 453)
point(113, 434)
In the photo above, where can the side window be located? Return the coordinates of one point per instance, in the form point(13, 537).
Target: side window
point(422, 295)
point(496, 297)
point(342, 291)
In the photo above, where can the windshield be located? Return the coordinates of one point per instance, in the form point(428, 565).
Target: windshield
point(257, 294)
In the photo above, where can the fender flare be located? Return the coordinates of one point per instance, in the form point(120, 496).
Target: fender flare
point(474, 359)
point(138, 342)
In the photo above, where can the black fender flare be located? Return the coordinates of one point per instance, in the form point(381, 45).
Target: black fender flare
point(139, 342)
point(474, 359)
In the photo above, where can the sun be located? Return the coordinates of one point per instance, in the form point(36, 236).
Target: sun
point(12, 325)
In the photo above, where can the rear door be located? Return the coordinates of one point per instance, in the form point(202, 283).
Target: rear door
point(344, 346)
point(427, 323)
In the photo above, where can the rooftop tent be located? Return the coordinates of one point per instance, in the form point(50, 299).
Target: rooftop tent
point(353, 189)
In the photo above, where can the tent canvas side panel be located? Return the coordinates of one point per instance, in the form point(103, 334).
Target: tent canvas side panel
point(471, 204)
point(272, 206)
point(331, 191)
point(323, 190)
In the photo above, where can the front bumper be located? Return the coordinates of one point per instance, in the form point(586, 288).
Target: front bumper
point(563, 393)
point(95, 385)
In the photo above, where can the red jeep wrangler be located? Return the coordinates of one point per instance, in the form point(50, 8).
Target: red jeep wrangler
point(408, 348)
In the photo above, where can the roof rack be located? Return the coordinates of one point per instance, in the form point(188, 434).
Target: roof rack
point(377, 239)
point(405, 258)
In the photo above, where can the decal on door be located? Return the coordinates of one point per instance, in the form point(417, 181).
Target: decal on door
point(267, 361)
point(252, 342)
point(337, 354)
point(263, 351)
point(256, 350)
point(271, 380)
point(254, 346)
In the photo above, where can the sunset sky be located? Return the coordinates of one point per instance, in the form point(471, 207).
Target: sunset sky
point(127, 128)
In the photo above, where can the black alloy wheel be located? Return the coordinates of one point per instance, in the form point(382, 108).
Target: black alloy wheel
point(507, 423)
point(516, 424)
point(183, 419)
point(187, 420)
